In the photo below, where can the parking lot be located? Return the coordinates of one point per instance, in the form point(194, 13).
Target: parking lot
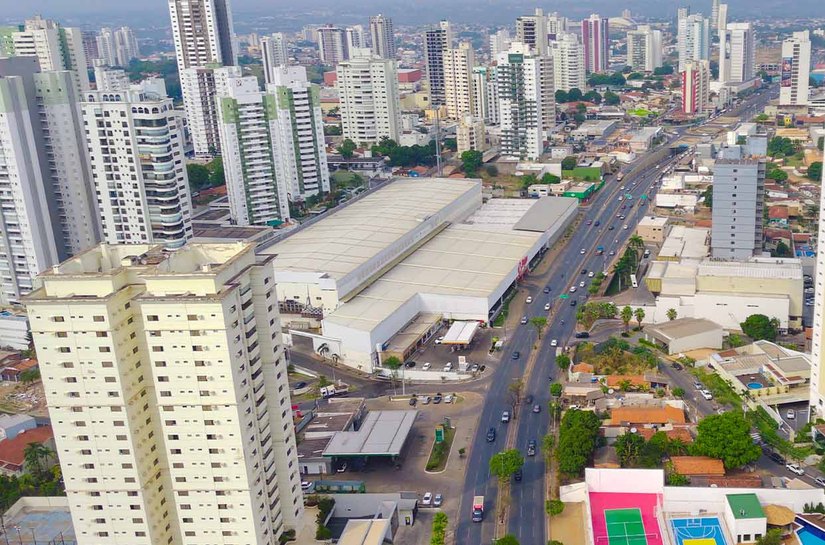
point(434, 357)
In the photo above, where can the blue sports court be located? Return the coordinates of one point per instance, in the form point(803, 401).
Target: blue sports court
point(698, 531)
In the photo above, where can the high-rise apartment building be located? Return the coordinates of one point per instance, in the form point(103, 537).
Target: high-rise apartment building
point(692, 39)
point(106, 46)
point(332, 45)
point(354, 38)
point(90, 50)
point(596, 40)
point(383, 37)
point(166, 381)
point(493, 117)
point(714, 15)
point(135, 145)
point(458, 81)
point(47, 205)
point(470, 135)
point(644, 49)
point(521, 78)
point(556, 25)
point(56, 48)
point(737, 53)
point(696, 87)
point(126, 46)
point(499, 42)
point(436, 42)
point(368, 94)
point(274, 54)
point(796, 70)
point(481, 95)
point(532, 30)
point(203, 36)
point(110, 79)
point(817, 392)
point(257, 196)
point(738, 202)
point(568, 63)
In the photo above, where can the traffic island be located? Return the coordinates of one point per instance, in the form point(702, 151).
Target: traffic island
point(440, 452)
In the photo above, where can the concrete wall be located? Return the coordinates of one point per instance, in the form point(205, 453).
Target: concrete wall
point(687, 499)
point(710, 339)
point(727, 310)
point(642, 481)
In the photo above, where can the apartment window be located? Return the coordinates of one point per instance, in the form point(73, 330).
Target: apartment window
point(188, 520)
point(98, 318)
point(64, 349)
point(152, 318)
point(192, 317)
point(71, 380)
point(61, 334)
point(61, 319)
point(102, 334)
point(157, 349)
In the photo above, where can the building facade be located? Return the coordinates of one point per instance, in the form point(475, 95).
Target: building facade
point(499, 42)
point(56, 48)
point(369, 102)
point(332, 45)
point(458, 80)
point(796, 70)
point(738, 203)
point(817, 401)
point(274, 53)
point(383, 37)
point(519, 76)
point(470, 135)
point(568, 63)
point(696, 87)
point(692, 39)
point(596, 40)
point(135, 144)
point(166, 379)
point(644, 49)
point(532, 30)
point(436, 42)
point(737, 53)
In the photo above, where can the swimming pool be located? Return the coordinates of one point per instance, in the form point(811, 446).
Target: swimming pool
point(808, 535)
point(754, 385)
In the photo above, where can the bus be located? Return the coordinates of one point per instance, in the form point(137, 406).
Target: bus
point(633, 281)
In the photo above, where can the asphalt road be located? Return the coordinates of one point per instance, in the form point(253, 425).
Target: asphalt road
point(527, 517)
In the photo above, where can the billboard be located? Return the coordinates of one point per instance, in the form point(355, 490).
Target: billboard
point(787, 68)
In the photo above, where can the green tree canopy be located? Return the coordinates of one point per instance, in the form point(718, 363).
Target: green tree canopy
point(771, 537)
point(578, 439)
point(629, 449)
point(781, 250)
point(707, 195)
point(556, 389)
point(671, 314)
point(593, 96)
point(726, 436)
point(503, 464)
point(611, 98)
point(569, 162)
point(635, 75)
point(815, 171)
point(562, 97)
point(663, 70)
point(508, 539)
point(198, 175)
point(539, 322)
point(779, 146)
point(626, 315)
point(760, 327)
point(639, 314)
point(574, 95)
point(347, 148)
point(471, 161)
point(563, 361)
point(216, 175)
point(548, 178)
point(777, 174)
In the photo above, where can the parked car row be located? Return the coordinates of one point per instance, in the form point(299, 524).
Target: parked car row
point(436, 399)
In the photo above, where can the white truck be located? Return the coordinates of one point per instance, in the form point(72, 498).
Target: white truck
point(337, 389)
point(478, 508)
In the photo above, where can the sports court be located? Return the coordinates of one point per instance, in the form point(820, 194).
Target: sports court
point(698, 531)
point(625, 519)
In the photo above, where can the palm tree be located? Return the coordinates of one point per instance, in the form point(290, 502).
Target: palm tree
point(33, 455)
point(636, 242)
point(671, 314)
point(639, 314)
point(626, 315)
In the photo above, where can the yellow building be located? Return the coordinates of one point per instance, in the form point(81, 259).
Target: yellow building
point(166, 382)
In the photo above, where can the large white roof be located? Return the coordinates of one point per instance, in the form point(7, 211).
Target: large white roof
point(346, 239)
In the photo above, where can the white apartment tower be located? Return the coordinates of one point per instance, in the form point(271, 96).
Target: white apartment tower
point(436, 42)
point(644, 49)
point(117, 47)
point(738, 204)
point(354, 38)
point(568, 62)
point(110, 79)
point(596, 40)
point(520, 77)
point(383, 37)
point(817, 393)
point(47, 205)
point(56, 48)
point(332, 45)
point(135, 144)
point(532, 30)
point(556, 24)
point(481, 95)
point(274, 53)
point(499, 42)
point(166, 381)
point(106, 46)
point(203, 36)
point(368, 93)
point(470, 135)
point(458, 80)
point(737, 53)
point(693, 39)
point(796, 70)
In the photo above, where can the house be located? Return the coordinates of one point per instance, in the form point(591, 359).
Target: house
point(13, 424)
point(698, 466)
point(580, 372)
point(676, 433)
point(12, 451)
point(11, 373)
point(639, 417)
point(634, 382)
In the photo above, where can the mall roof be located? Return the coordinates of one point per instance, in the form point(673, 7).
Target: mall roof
point(774, 269)
point(383, 433)
point(342, 241)
point(682, 327)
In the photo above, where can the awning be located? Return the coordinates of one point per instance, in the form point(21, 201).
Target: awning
point(460, 333)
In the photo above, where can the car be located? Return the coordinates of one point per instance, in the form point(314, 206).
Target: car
point(582, 335)
point(611, 228)
point(425, 400)
point(647, 252)
point(409, 364)
point(531, 447)
point(820, 481)
point(449, 398)
point(517, 476)
point(546, 289)
point(612, 252)
point(305, 485)
point(546, 306)
point(624, 206)
point(554, 342)
point(793, 468)
point(776, 457)
point(342, 468)
point(572, 289)
point(584, 271)
point(573, 303)
point(809, 303)
point(591, 274)
point(621, 217)
point(437, 398)
point(505, 416)
point(438, 499)
point(448, 367)
point(426, 366)
point(528, 300)
point(707, 395)
point(491, 435)
point(413, 401)
point(697, 385)
point(791, 414)
point(582, 251)
point(677, 366)
point(810, 289)
point(625, 227)
point(589, 222)
point(621, 188)
point(427, 499)
point(523, 320)
point(536, 408)
point(581, 284)
point(474, 368)
point(516, 355)
point(439, 340)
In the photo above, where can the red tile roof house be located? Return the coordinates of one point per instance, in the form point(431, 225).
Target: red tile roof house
point(11, 373)
point(12, 458)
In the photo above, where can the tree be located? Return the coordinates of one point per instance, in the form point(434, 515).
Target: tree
point(198, 175)
point(779, 146)
point(636, 242)
point(508, 539)
point(707, 195)
point(815, 171)
point(451, 144)
point(574, 95)
point(563, 361)
point(581, 108)
point(548, 178)
point(611, 98)
point(569, 162)
point(664, 70)
point(726, 436)
point(548, 443)
point(503, 464)
point(760, 327)
point(777, 175)
point(629, 449)
point(626, 315)
point(578, 439)
point(439, 530)
point(635, 75)
point(781, 250)
point(471, 161)
point(678, 392)
point(771, 537)
point(593, 96)
point(347, 148)
point(515, 389)
point(333, 130)
point(639, 314)
point(216, 175)
point(539, 322)
point(30, 375)
point(492, 170)
point(556, 389)
point(561, 97)
point(671, 314)
point(34, 455)
point(393, 364)
point(554, 507)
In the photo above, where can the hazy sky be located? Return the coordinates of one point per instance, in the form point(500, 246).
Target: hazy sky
point(404, 11)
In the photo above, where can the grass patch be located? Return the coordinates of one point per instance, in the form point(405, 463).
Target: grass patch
point(505, 311)
point(639, 112)
point(721, 390)
point(441, 451)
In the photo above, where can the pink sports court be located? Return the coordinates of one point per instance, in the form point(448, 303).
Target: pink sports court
point(625, 519)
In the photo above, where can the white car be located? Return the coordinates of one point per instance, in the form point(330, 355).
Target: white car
point(581, 284)
point(793, 468)
point(505, 416)
point(625, 227)
point(582, 251)
point(426, 366)
point(791, 414)
point(448, 367)
point(523, 320)
point(547, 306)
point(305, 485)
point(439, 340)
point(438, 500)
point(427, 499)
point(448, 398)
point(554, 342)
point(572, 289)
point(591, 274)
point(529, 300)
point(707, 395)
